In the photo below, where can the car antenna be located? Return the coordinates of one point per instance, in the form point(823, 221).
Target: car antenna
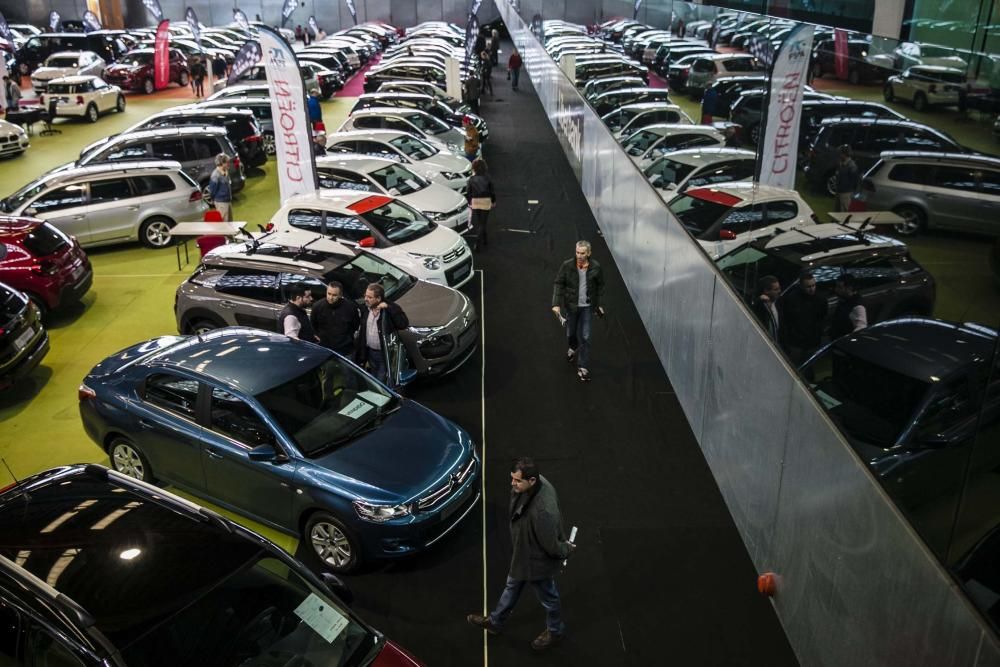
point(13, 477)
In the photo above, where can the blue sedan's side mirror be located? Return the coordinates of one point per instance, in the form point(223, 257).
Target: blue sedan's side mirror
point(263, 453)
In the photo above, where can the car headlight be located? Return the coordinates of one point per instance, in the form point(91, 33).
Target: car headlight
point(453, 147)
point(451, 175)
point(425, 331)
point(381, 513)
point(436, 217)
point(431, 263)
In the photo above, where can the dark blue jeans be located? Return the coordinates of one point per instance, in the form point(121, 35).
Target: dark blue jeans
point(515, 75)
point(377, 365)
point(578, 334)
point(547, 594)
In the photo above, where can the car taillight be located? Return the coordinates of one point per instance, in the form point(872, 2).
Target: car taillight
point(85, 393)
point(253, 139)
point(236, 162)
point(79, 99)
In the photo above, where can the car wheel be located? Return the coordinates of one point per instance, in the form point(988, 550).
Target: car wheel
point(128, 460)
point(831, 183)
point(332, 543)
point(914, 220)
point(269, 143)
point(854, 77)
point(887, 93)
point(120, 106)
point(92, 114)
point(203, 326)
point(155, 232)
point(148, 86)
point(185, 79)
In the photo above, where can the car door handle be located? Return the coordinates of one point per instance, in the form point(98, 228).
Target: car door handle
point(143, 423)
point(133, 208)
point(79, 217)
point(213, 454)
point(227, 304)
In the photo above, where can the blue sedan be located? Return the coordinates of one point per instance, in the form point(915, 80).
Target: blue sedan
point(287, 433)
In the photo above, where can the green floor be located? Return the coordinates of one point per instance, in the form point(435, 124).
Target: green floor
point(130, 301)
point(966, 290)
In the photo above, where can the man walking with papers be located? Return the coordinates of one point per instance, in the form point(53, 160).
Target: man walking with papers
point(539, 546)
point(576, 295)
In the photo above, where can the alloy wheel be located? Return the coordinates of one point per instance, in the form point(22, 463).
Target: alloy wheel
point(127, 461)
point(331, 544)
point(269, 143)
point(158, 233)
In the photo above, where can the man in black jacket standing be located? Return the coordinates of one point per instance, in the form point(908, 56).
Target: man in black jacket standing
point(381, 319)
point(803, 316)
point(539, 547)
point(576, 295)
point(336, 320)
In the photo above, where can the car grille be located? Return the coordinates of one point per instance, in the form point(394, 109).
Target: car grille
point(454, 253)
point(455, 481)
point(457, 274)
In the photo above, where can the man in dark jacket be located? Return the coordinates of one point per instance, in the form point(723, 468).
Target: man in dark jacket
point(846, 178)
point(803, 315)
point(382, 318)
point(576, 295)
point(539, 547)
point(293, 319)
point(765, 306)
point(336, 320)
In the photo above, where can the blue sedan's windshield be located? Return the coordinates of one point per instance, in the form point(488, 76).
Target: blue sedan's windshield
point(327, 405)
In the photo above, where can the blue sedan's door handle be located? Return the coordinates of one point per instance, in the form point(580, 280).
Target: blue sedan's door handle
point(214, 454)
point(144, 423)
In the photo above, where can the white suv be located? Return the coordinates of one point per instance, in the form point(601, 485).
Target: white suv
point(363, 173)
point(67, 63)
point(385, 227)
point(723, 217)
point(412, 121)
point(924, 85)
point(84, 96)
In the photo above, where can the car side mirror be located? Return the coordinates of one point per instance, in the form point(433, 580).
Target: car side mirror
point(266, 453)
point(337, 587)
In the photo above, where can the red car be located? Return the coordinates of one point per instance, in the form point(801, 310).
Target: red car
point(43, 262)
point(134, 70)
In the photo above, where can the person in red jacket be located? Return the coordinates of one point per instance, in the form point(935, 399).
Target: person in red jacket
point(514, 67)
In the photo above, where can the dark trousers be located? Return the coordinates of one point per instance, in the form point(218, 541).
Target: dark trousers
point(479, 218)
point(578, 325)
point(377, 365)
point(199, 87)
point(487, 83)
point(515, 75)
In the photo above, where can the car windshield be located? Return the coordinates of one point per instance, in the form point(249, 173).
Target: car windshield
point(399, 178)
point(744, 266)
point(666, 172)
point(639, 143)
point(328, 405)
point(366, 269)
point(62, 61)
point(136, 59)
point(263, 614)
point(10, 304)
point(62, 88)
point(398, 222)
point(868, 402)
point(413, 148)
point(696, 214)
point(23, 196)
point(428, 123)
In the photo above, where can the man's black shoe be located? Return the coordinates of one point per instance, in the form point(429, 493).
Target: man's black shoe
point(545, 640)
point(483, 622)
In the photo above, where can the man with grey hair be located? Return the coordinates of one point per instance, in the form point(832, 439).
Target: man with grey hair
point(220, 189)
point(576, 295)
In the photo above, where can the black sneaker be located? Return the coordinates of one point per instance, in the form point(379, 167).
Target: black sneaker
point(583, 374)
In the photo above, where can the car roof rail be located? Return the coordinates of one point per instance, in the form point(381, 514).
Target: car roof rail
point(63, 601)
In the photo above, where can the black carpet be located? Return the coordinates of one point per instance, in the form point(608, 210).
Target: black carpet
point(661, 575)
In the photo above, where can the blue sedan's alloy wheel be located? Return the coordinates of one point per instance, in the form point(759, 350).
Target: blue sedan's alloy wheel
point(127, 460)
point(332, 543)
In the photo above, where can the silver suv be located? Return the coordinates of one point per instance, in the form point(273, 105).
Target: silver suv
point(936, 191)
point(244, 284)
point(195, 147)
point(115, 202)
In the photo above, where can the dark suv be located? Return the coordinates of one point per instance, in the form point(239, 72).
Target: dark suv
point(44, 263)
point(859, 68)
point(38, 48)
point(889, 280)
point(241, 126)
point(911, 396)
point(868, 139)
point(134, 71)
point(23, 340)
point(99, 569)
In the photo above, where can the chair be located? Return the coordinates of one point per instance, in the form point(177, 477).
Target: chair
point(48, 116)
point(208, 243)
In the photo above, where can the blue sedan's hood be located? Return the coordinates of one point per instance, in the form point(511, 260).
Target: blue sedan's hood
point(412, 451)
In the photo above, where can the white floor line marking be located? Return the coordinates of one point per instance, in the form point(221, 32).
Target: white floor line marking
point(482, 421)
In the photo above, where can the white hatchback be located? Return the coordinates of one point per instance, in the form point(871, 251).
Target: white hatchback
point(445, 167)
point(67, 63)
point(651, 143)
point(412, 121)
point(386, 227)
point(726, 216)
point(363, 173)
point(84, 96)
